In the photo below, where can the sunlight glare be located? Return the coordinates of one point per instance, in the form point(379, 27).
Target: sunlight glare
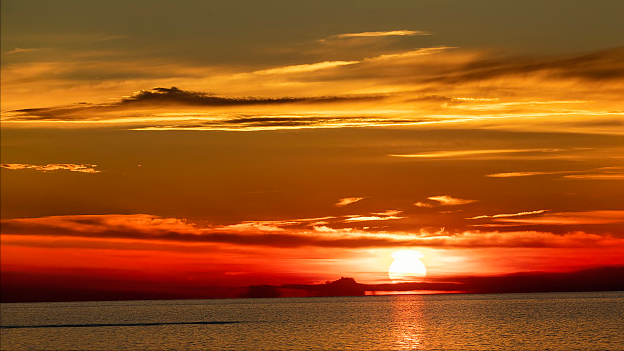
point(406, 266)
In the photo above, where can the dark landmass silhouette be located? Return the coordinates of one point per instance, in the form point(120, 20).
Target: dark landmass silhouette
point(594, 279)
point(29, 287)
point(341, 287)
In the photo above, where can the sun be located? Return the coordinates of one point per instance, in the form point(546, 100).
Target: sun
point(406, 266)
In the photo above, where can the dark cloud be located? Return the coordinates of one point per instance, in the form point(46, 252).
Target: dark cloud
point(189, 236)
point(599, 66)
point(174, 96)
point(294, 122)
point(159, 97)
point(455, 67)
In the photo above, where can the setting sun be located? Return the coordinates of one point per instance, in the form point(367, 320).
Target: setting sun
point(406, 266)
point(298, 175)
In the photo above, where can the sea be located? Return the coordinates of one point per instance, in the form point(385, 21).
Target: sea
point(537, 321)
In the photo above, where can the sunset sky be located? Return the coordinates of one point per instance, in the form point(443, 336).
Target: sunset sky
point(185, 148)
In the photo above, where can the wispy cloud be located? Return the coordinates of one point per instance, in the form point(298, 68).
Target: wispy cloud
point(22, 50)
point(72, 167)
point(445, 200)
point(284, 122)
point(519, 174)
point(305, 67)
point(469, 153)
point(570, 218)
point(423, 204)
point(378, 216)
point(72, 37)
point(381, 34)
point(348, 200)
point(505, 105)
point(153, 228)
point(518, 214)
point(159, 97)
point(601, 173)
point(425, 86)
point(595, 66)
point(276, 225)
point(597, 176)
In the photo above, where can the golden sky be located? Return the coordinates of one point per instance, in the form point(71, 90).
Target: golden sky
point(230, 144)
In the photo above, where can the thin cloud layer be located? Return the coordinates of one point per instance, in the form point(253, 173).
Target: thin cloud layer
point(424, 86)
point(305, 67)
point(378, 216)
point(159, 97)
point(423, 204)
point(502, 215)
point(72, 167)
point(470, 153)
point(602, 173)
point(599, 66)
point(348, 200)
point(518, 174)
point(21, 50)
point(381, 34)
point(445, 200)
point(152, 228)
point(570, 218)
point(598, 176)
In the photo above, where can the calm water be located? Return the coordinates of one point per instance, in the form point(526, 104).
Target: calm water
point(555, 321)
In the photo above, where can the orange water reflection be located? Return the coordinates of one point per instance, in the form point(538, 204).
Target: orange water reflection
point(408, 322)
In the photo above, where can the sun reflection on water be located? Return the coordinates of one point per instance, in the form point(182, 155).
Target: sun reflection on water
point(408, 322)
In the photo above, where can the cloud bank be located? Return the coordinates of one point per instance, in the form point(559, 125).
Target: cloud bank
point(153, 228)
point(421, 86)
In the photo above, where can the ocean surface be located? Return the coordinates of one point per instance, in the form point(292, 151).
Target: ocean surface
point(542, 321)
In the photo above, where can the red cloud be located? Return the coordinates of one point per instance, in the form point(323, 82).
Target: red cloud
point(152, 228)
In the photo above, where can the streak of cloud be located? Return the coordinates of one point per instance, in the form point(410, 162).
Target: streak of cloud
point(159, 97)
point(601, 173)
point(469, 153)
point(152, 228)
point(570, 218)
point(599, 176)
point(381, 34)
point(305, 67)
point(423, 204)
point(348, 200)
point(22, 50)
point(445, 200)
point(518, 174)
point(370, 218)
point(418, 87)
point(525, 213)
point(72, 167)
point(290, 122)
point(603, 65)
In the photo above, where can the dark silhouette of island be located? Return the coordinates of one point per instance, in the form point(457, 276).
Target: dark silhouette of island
point(595, 279)
point(25, 287)
point(341, 287)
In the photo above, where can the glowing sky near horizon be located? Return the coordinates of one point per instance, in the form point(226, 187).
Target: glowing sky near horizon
point(237, 143)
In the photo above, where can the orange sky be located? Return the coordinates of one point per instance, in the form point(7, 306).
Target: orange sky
point(230, 152)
